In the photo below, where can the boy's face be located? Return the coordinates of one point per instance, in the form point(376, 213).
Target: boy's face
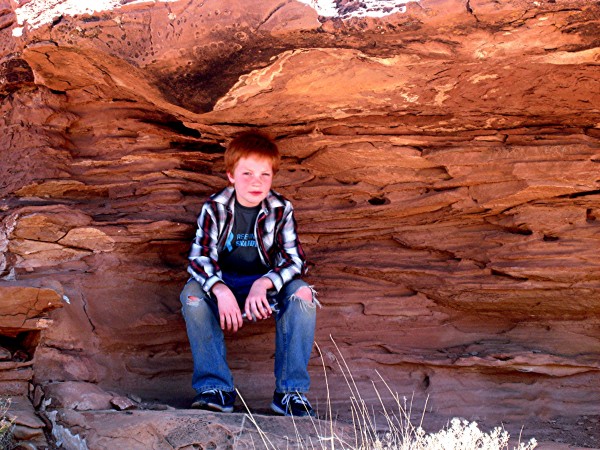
point(252, 179)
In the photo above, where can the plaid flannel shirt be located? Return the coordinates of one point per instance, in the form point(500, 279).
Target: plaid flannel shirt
point(275, 230)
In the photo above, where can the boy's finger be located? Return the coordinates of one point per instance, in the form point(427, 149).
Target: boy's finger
point(257, 311)
point(252, 312)
point(265, 308)
point(237, 322)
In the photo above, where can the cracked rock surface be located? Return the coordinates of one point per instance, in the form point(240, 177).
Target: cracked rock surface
point(444, 164)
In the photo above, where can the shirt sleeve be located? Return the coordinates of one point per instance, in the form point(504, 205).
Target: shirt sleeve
point(203, 257)
point(290, 261)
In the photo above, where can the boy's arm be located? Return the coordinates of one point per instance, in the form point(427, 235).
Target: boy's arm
point(290, 261)
point(204, 254)
point(205, 269)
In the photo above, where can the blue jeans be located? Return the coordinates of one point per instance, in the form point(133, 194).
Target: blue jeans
point(294, 336)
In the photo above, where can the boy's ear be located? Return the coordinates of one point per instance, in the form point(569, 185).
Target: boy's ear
point(230, 177)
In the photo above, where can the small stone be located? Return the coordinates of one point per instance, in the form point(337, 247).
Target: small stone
point(25, 433)
point(5, 354)
point(20, 356)
point(123, 403)
point(38, 396)
point(25, 446)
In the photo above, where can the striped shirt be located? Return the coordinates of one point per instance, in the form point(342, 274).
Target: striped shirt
point(276, 235)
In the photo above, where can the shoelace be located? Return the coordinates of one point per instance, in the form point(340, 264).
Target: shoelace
point(296, 397)
point(216, 391)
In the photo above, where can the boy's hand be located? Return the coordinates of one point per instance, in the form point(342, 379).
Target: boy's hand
point(230, 315)
point(257, 304)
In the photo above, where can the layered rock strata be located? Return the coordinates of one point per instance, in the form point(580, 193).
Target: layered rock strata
point(444, 165)
point(24, 314)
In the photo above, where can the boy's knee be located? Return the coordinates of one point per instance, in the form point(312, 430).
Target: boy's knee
point(305, 293)
point(191, 301)
point(191, 293)
point(307, 297)
point(197, 311)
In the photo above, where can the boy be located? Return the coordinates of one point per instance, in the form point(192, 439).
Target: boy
point(246, 255)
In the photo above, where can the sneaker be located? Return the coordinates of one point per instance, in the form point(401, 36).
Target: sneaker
point(215, 400)
point(292, 404)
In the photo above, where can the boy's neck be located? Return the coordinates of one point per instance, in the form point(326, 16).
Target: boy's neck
point(239, 205)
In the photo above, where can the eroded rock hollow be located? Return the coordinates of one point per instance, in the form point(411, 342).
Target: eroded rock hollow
point(444, 163)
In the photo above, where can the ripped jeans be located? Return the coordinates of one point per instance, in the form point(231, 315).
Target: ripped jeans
point(294, 336)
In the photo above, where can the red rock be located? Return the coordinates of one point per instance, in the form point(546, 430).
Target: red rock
point(22, 373)
point(22, 306)
point(28, 429)
point(180, 429)
point(5, 354)
point(14, 388)
point(78, 396)
point(22, 412)
point(443, 164)
point(121, 403)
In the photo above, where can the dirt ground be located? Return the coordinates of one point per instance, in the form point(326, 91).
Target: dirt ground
point(581, 432)
point(557, 434)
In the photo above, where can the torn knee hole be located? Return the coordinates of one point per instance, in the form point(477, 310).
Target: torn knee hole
point(305, 293)
point(193, 300)
point(308, 296)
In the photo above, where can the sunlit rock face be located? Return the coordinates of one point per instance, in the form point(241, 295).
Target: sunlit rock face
point(444, 164)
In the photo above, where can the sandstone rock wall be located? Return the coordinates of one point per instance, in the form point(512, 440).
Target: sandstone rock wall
point(444, 165)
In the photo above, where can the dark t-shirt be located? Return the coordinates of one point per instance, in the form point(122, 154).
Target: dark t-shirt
point(240, 254)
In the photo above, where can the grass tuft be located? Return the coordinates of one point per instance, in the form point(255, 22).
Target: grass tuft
point(399, 432)
point(6, 424)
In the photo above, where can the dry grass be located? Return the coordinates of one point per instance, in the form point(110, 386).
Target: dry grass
point(6, 424)
point(398, 432)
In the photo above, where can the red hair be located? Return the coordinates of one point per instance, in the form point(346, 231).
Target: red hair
point(251, 143)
